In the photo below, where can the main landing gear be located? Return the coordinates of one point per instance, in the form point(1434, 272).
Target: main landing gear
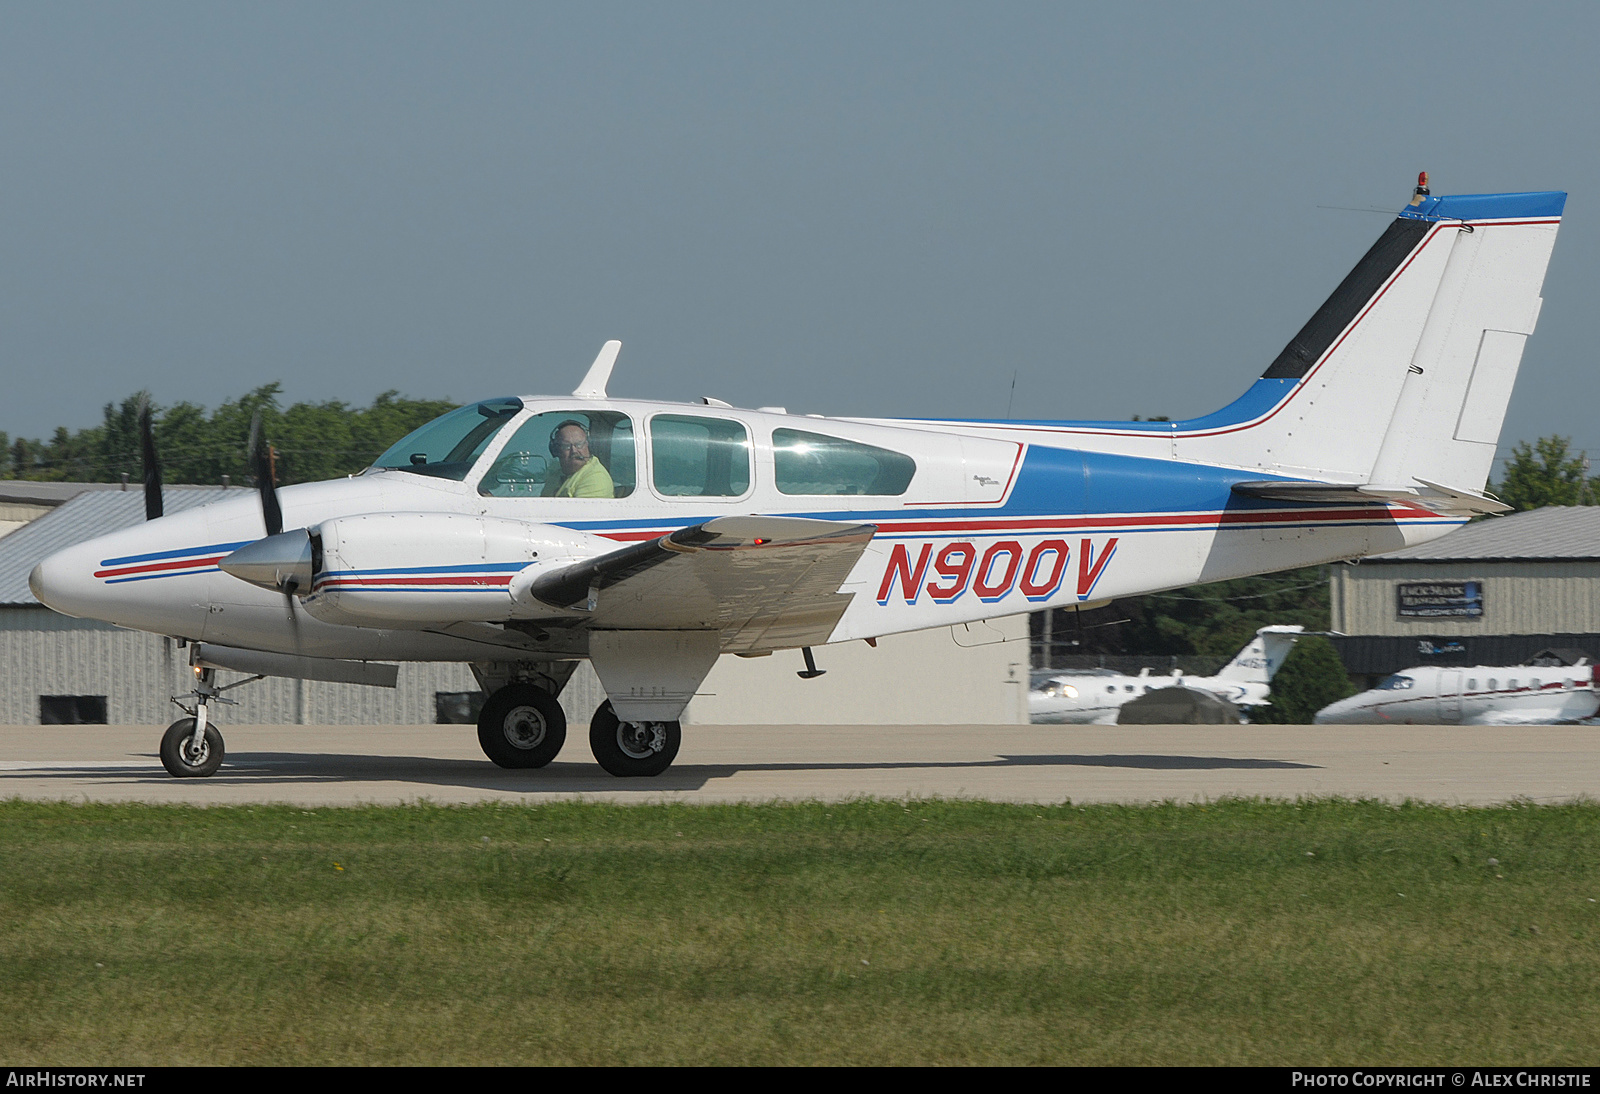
point(632, 749)
point(522, 726)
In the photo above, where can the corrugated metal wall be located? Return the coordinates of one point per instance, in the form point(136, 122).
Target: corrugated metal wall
point(924, 677)
point(1518, 597)
point(48, 654)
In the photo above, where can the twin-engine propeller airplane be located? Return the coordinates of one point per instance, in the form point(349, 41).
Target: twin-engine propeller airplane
point(524, 534)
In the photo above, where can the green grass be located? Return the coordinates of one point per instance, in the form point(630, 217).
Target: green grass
point(864, 932)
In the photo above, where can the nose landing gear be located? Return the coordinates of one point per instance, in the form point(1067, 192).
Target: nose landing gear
point(191, 748)
point(183, 757)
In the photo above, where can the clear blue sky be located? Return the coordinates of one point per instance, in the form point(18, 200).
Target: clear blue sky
point(847, 209)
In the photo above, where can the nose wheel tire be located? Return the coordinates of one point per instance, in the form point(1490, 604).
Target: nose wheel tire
point(632, 749)
point(179, 755)
point(522, 726)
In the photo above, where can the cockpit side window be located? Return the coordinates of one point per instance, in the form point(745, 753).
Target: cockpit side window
point(447, 447)
point(812, 463)
point(565, 454)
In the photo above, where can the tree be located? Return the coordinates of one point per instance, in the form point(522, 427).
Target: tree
point(1312, 676)
point(313, 440)
point(1546, 472)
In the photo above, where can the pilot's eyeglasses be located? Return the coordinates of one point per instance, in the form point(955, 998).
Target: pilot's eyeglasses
point(572, 446)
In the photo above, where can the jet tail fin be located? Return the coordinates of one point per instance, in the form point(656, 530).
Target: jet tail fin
point(1263, 656)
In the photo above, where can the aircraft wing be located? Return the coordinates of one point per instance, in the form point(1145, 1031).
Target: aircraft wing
point(763, 582)
point(1424, 495)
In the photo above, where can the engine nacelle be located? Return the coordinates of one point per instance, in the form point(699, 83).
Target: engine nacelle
point(395, 569)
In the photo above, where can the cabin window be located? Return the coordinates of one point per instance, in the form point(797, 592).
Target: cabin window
point(448, 446)
point(692, 457)
point(1493, 684)
point(1534, 683)
point(565, 454)
point(1512, 684)
point(1472, 684)
point(812, 463)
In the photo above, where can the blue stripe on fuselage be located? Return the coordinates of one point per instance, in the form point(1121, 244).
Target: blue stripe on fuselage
point(1259, 399)
point(1055, 482)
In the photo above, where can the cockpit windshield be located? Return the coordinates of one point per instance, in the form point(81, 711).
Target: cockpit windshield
point(448, 446)
point(1397, 683)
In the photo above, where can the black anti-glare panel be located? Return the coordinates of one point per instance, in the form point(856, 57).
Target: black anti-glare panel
point(1358, 287)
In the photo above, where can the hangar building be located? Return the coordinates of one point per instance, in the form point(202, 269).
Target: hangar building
point(63, 670)
point(1494, 592)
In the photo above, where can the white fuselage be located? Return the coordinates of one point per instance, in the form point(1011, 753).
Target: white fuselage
point(1481, 695)
point(996, 521)
point(1094, 698)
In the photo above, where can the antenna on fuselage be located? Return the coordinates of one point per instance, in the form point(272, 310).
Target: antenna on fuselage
point(594, 381)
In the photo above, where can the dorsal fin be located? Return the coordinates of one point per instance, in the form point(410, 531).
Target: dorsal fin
point(594, 381)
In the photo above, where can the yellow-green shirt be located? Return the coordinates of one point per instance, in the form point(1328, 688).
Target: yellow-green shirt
point(592, 480)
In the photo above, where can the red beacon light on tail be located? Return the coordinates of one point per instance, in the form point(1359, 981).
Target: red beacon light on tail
point(1422, 188)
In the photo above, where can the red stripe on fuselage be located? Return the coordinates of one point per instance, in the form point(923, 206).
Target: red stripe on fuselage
point(157, 567)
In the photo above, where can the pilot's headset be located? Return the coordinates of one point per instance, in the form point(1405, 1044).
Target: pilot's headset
point(556, 432)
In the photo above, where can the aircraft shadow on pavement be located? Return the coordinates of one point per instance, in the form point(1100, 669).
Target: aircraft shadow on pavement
point(289, 768)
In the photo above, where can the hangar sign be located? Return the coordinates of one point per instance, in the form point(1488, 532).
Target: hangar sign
point(1431, 599)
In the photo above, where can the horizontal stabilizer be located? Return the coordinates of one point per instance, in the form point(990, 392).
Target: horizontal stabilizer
point(1425, 495)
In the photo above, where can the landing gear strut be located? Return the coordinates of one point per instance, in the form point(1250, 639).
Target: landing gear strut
point(633, 749)
point(522, 725)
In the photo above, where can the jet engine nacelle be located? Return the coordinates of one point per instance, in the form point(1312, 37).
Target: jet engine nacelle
point(388, 569)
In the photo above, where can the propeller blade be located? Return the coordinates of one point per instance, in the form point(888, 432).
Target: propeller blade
point(261, 467)
point(153, 505)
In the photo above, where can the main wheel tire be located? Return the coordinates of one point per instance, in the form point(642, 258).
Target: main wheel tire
point(522, 726)
point(633, 749)
point(179, 756)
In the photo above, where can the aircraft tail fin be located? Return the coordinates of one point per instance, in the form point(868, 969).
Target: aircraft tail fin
point(1263, 656)
point(1403, 375)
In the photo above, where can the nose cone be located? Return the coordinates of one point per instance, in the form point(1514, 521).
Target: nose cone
point(65, 582)
point(1346, 712)
point(39, 583)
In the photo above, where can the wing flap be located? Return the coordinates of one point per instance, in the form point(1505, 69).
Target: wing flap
point(762, 582)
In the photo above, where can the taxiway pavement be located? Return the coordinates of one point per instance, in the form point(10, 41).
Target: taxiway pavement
point(347, 765)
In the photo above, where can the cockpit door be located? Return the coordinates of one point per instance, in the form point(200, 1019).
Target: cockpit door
point(1450, 696)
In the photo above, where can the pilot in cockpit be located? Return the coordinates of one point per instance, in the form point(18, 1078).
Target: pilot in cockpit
point(577, 474)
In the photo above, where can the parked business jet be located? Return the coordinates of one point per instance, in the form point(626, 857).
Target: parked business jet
point(1432, 695)
point(1094, 697)
point(525, 534)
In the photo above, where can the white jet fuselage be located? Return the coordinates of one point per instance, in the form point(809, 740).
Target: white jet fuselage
point(1482, 695)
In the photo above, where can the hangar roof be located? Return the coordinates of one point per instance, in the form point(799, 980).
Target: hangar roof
point(90, 514)
point(1556, 532)
point(28, 492)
